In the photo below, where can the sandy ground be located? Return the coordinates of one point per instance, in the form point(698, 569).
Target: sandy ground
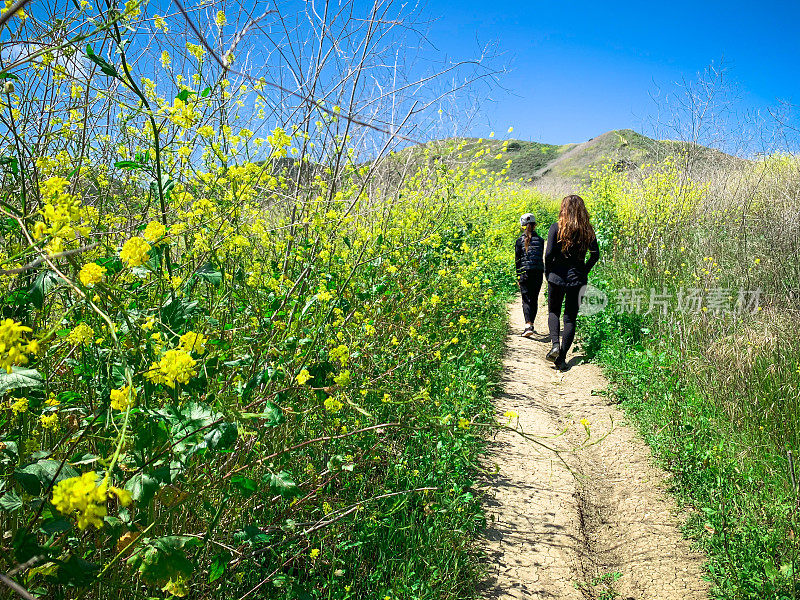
point(594, 523)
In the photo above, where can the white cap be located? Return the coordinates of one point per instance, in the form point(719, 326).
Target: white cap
point(527, 219)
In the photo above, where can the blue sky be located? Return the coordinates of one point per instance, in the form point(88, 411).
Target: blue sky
point(578, 69)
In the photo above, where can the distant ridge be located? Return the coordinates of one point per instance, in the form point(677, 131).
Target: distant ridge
point(568, 166)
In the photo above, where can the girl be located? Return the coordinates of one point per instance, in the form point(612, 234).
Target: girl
point(528, 252)
point(566, 269)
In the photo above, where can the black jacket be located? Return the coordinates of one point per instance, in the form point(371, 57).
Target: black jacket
point(533, 259)
point(570, 269)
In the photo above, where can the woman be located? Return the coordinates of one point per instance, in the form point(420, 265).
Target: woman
point(567, 269)
point(528, 252)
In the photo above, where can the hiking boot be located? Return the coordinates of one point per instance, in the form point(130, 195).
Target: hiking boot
point(555, 351)
point(561, 364)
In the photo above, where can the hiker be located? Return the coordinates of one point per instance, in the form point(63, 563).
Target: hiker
point(566, 269)
point(528, 256)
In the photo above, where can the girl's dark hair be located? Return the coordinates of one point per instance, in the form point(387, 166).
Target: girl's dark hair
point(574, 229)
point(529, 229)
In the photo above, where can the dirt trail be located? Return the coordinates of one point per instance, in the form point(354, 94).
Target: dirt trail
point(553, 534)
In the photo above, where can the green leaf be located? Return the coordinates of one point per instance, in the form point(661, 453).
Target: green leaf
point(167, 184)
point(217, 568)
point(104, 65)
point(184, 94)
point(244, 485)
point(36, 478)
point(20, 379)
point(221, 437)
point(127, 164)
point(205, 92)
point(142, 487)
point(283, 484)
point(210, 273)
point(10, 448)
point(311, 301)
point(164, 558)
point(76, 572)
point(272, 414)
point(44, 282)
point(176, 311)
point(8, 76)
point(11, 502)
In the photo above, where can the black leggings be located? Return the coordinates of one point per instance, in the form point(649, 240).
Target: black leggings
point(556, 296)
point(530, 283)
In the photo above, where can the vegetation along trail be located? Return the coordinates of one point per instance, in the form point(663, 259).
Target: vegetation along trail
point(593, 519)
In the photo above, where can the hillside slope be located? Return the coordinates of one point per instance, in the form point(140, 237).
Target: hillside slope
point(563, 167)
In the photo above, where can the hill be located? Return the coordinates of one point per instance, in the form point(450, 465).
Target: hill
point(556, 167)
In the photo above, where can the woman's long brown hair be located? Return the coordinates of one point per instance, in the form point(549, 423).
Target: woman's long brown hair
point(574, 229)
point(528, 235)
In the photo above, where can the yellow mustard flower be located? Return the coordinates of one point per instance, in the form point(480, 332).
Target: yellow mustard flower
point(82, 334)
point(196, 50)
point(13, 345)
point(160, 23)
point(154, 231)
point(135, 251)
point(176, 366)
point(303, 377)
point(333, 405)
point(91, 274)
point(122, 398)
point(183, 114)
point(49, 421)
point(85, 499)
point(193, 342)
point(342, 379)
point(19, 406)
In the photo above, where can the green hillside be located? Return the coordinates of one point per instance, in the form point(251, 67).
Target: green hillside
point(541, 163)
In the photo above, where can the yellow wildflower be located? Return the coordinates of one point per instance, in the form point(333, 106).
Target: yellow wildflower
point(175, 366)
point(183, 114)
point(132, 9)
point(341, 353)
point(303, 377)
point(154, 232)
point(49, 421)
point(134, 252)
point(122, 398)
point(20, 13)
point(160, 23)
point(81, 335)
point(91, 274)
point(13, 345)
point(83, 497)
point(333, 405)
point(196, 50)
point(20, 406)
point(193, 342)
point(342, 379)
